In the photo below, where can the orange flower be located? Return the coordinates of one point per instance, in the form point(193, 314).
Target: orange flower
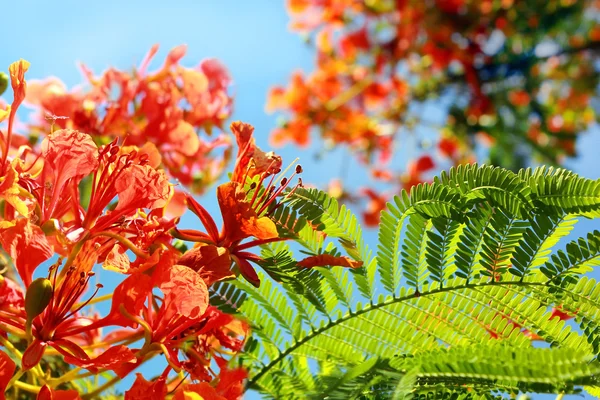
point(181, 323)
point(59, 324)
point(241, 220)
point(124, 174)
point(168, 108)
point(229, 387)
point(245, 214)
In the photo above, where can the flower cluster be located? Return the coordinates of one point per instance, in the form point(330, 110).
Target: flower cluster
point(95, 193)
point(385, 68)
point(170, 113)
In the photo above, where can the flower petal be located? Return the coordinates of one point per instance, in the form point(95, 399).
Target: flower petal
point(115, 356)
point(27, 245)
point(11, 293)
point(116, 260)
point(70, 154)
point(142, 179)
point(33, 354)
point(248, 271)
point(145, 390)
point(17, 80)
point(186, 292)
point(212, 263)
point(131, 295)
point(239, 219)
point(47, 393)
point(7, 368)
point(251, 160)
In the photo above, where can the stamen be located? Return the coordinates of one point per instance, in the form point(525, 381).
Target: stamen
point(268, 186)
point(284, 183)
point(73, 312)
point(263, 176)
point(251, 165)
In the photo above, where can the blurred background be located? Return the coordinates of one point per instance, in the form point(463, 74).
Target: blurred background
point(539, 105)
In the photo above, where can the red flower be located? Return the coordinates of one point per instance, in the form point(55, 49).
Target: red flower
point(181, 323)
point(241, 220)
point(58, 325)
point(448, 146)
point(422, 164)
point(168, 108)
point(126, 175)
point(244, 211)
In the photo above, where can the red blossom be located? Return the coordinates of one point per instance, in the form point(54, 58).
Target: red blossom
point(245, 214)
point(559, 313)
point(422, 164)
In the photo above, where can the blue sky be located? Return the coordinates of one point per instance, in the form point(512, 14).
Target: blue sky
point(250, 37)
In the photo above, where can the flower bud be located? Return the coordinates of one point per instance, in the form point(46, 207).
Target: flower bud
point(3, 82)
point(51, 227)
point(180, 245)
point(37, 297)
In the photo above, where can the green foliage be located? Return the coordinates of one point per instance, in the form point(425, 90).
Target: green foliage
point(467, 272)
